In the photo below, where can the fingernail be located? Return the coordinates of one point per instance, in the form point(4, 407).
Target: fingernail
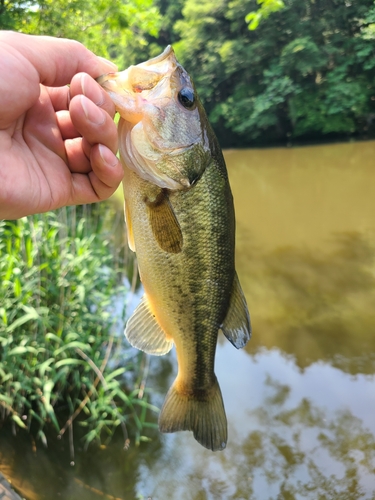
point(107, 156)
point(94, 114)
point(92, 91)
point(109, 64)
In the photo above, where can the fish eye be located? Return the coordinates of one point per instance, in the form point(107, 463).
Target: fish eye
point(187, 98)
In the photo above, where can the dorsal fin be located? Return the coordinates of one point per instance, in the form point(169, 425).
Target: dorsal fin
point(236, 326)
point(144, 332)
point(164, 223)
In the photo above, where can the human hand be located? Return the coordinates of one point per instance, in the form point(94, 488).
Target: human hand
point(57, 145)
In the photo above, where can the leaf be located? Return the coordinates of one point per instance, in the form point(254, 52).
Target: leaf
point(17, 287)
point(47, 389)
point(3, 315)
point(31, 314)
point(267, 7)
point(18, 421)
point(145, 439)
point(54, 420)
point(40, 435)
point(8, 400)
point(45, 366)
point(22, 350)
point(52, 336)
point(70, 362)
point(115, 373)
point(71, 345)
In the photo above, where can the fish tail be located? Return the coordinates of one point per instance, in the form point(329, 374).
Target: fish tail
point(201, 413)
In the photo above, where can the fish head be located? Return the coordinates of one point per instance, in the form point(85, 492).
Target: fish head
point(163, 129)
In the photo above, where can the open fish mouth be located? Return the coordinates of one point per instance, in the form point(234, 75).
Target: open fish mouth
point(142, 78)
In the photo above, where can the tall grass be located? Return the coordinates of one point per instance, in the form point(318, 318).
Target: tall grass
point(60, 354)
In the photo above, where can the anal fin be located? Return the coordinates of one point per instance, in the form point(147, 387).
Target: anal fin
point(236, 326)
point(144, 332)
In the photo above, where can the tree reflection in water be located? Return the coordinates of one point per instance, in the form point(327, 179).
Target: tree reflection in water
point(293, 434)
point(303, 437)
point(305, 455)
point(315, 305)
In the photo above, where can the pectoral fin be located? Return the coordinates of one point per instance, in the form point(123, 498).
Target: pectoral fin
point(236, 326)
point(144, 333)
point(129, 228)
point(164, 223)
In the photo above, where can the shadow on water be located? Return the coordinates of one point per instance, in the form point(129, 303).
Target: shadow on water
point(300, 398)
point(316, 306)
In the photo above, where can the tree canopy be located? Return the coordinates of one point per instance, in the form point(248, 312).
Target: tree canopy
point(305, 73)
point(110, 28)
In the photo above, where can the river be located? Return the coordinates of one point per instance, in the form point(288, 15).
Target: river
point(300, 398)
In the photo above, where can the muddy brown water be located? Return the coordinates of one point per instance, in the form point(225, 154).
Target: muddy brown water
point(300, 398)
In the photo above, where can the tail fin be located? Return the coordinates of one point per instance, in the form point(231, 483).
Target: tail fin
point(204, 415)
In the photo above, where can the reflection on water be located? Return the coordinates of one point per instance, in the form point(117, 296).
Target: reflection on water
point(306, 250)
point(294, 433)
point(315, 305)
point(300, 399)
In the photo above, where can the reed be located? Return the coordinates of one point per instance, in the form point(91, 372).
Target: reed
point(61, 344)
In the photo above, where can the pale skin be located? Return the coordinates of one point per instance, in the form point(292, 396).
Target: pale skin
point(58, 143)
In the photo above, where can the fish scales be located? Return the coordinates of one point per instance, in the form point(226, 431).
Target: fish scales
point(180, 221)
point(204, 267)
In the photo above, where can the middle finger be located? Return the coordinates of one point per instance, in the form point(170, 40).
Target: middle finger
point(84, 84)
point(93, 123)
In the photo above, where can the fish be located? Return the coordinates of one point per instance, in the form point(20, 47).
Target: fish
point(180, 222)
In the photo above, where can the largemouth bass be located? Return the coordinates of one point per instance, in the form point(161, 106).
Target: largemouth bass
point(180, 222)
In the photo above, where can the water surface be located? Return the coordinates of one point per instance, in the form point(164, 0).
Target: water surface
point(300, 398)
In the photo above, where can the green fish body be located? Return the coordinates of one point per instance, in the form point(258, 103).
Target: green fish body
point(180, 222)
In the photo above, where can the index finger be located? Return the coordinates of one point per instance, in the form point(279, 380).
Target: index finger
point(26, 61)
point(56, 60)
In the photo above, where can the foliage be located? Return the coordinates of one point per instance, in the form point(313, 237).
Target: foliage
point(307, 71)
point(110, 28)
point(59, 278)
point(11, 13)
point(267, 7)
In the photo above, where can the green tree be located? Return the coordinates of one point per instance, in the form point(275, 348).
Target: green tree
point(267, 7)
point(307, 72)
point(111, 28)
point(11, 13)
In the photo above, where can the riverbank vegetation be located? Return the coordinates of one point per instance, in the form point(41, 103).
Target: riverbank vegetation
point(61, 345)
point(307, 72)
